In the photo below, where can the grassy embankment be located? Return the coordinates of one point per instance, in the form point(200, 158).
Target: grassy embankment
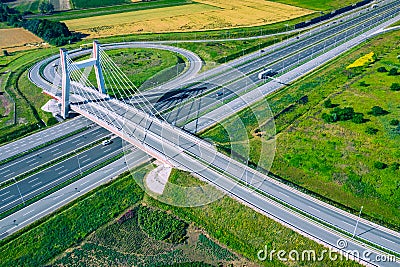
point(341, 161)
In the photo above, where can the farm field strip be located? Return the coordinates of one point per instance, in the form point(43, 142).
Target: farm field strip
point(201, 15)
point(16, 38)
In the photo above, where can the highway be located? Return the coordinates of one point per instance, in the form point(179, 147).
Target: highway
point(42, 137)
point(57, 174)
point(23, 164)
point(187, 157)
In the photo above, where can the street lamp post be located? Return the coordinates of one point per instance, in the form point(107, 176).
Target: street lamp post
point(358, 219)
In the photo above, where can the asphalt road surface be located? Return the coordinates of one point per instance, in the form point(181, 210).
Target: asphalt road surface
point(44, 180)
point(49, 153)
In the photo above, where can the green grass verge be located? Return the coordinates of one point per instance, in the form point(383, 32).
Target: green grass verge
point(322, 5)
point(28, 98)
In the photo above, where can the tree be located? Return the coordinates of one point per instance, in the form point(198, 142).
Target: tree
point(382, 69)
point(393, 72)
point(395, 87)
point(377, 111)
point(380, 165)
point(5, 53)
point(46, 7)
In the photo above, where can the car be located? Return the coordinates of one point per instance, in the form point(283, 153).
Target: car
point(219, 93)
point(106, 142)
point(262, 51)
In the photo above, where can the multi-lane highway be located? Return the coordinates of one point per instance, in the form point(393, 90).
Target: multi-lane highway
point(220, 167)
point(49, 153)
point(52, 176)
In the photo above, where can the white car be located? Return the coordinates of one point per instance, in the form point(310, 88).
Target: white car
point(106, 142)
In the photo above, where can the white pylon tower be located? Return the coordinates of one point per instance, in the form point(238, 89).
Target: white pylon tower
point(66, 78)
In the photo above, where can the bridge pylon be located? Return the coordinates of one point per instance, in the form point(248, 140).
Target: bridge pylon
point(66, 78)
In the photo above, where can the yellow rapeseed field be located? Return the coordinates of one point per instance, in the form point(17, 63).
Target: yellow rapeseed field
point(202, 15)
point(17, 39)
point(363, 61)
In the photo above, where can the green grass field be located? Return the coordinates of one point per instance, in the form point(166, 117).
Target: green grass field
point(78, 4)
point(337, 160)
point(28, 98)
point(75, 14)
point(322, 5)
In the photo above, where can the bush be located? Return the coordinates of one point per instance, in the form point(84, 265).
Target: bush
point(382, 69)
point(380, 165)
point(328, 104)
point(394, 122)
point(371, 130)
point(358, 118)
point(377, 111)
point(161, 226)
point(395, 87)
point(393, 72)
point(395, 166)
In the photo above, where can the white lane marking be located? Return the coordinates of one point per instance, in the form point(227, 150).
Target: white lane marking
point(35, 163)
point(349, 224)
point(84, 156)
point(58, 153)
point(38, 183)
point(283, 194)
point(85, 182)
point(31, 181)
point(63, 171)
point(314, 209)
point(86, 160)
point(9, 174)
point(76, 141)
point(28, 212)
point(7, 198)
point(29, 161)
point(59, 168)
point(8, 192)
point(108, 170)
point(5, 171)
point(79, 144)
point(388, 240)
